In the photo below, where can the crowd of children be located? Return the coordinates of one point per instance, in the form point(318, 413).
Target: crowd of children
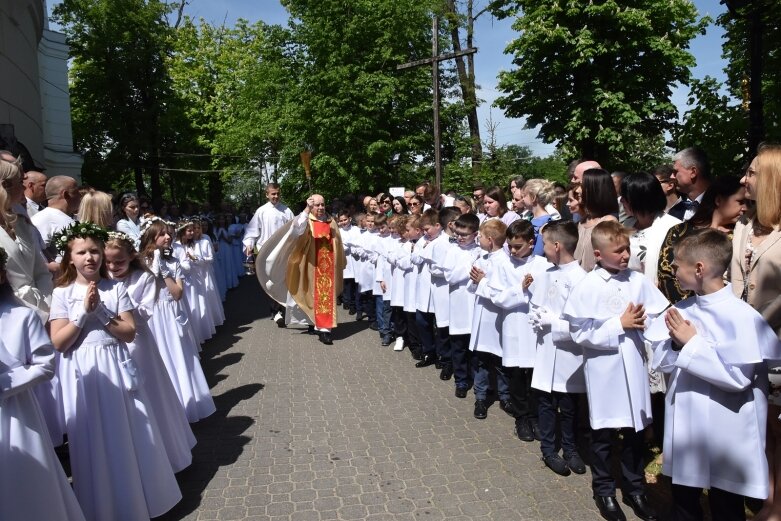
point(120, 357)
point(510, 313)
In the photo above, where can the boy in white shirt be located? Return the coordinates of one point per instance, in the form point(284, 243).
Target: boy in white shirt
point(456, 270)
point(381, 290)
point(714, 347)
point(398, 320)
point(558, 366)
point(424, 300)
point(437, 254)
point(404, 262)
point(486, 338)
point(507, 287)
point(607, 312)
point(348, 233)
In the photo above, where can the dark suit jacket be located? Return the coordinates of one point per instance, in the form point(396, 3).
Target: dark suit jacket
point(679, 209)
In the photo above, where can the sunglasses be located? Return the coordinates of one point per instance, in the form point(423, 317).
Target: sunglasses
point(414, 203)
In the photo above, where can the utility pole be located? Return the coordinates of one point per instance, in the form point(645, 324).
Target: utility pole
point(434, 61)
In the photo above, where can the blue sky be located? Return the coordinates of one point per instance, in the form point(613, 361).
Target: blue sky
point(491, 37)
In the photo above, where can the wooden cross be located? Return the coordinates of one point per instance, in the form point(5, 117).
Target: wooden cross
point(434, 61)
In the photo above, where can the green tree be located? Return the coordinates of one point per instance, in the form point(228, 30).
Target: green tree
point(596, 76)
point(124, 109)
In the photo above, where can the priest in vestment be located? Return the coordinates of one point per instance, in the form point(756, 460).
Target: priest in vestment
point(308, 255)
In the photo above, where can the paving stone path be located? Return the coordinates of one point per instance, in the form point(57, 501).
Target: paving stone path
point(308, 432)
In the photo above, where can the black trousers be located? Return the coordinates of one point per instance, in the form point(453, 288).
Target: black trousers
point(630, 455)
point(348, 293)
point(522, 396)
point(724, 506)
point(413, 334)
point(563, 406)
point(461, 357)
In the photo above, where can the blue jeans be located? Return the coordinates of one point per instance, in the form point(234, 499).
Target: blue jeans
point(460, 356)
point(383, 312)
point(486, 364)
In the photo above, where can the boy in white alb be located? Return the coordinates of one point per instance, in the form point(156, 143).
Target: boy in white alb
point(456, 270)
point(486, 337)
point(440, 291)
point(404, 262)
point(558, 366)
point(395, 252)
point(714, 347)
point(382, 280)
point(607, 313)
point(424, 298)
point(348, 233)
point(507, 287)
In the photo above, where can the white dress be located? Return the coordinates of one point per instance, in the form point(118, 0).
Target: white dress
point(131, 229)
point(224, 258)
point(209, 280)
point(175, 431)
point(195, 299)
point(32, 483)
point(179, 350)
point(120, 468)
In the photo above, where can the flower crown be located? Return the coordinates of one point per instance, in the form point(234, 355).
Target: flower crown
point(184, 223)
point(147, 222)
point(61, 238)
point(123, 237)
point(3, 258)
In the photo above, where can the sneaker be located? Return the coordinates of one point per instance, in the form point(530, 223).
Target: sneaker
point(557, 464)
point(523, 430)
point(279, 318)
point(399, 345)
point(481, 409)
point(575, 463)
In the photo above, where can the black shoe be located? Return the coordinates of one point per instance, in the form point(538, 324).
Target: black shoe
point(481, 409)
point(415, 352)
point(325, 338)
point(447, 373)
point(557, 464)
point(359, 316)
point(310, 330)
point(507, 406)
point(439, 365)
point(608, 507)
point(641, 507)
point(461, 392)
point(386, 340)
point(351, 312)
point(426, 361)
point(523, 430)
point(373, 326)
point(575, 463)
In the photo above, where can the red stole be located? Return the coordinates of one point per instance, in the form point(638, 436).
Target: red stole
point(325, 275)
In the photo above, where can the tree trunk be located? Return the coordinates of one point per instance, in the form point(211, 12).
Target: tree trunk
point(466, 79)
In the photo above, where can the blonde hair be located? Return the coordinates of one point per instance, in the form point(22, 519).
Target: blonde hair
point(8, 172)
point(608, 232)
point(768, 192)
point(96, 208)
point(540, 189)
point(494, 229)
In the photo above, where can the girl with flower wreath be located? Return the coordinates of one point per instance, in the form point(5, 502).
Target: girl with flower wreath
point(119, 465)
point(124, 265)
point(190, 260)
point(205, 277)
point(29, 462)
point(170, 324)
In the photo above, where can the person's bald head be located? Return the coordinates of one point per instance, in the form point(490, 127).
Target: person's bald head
point(35, 186)
point(318, 203)
point(62, 192)
point(577, 174)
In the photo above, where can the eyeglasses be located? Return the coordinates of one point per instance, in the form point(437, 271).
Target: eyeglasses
point(386, 201)
point(414, 203)
point(465, 234)
point(477, 194)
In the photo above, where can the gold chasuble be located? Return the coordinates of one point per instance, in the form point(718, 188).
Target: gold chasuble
point(314, 271)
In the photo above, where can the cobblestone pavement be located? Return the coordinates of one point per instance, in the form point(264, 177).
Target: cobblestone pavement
point(305, 431)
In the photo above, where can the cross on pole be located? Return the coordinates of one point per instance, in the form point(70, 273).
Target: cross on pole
point(434, 61)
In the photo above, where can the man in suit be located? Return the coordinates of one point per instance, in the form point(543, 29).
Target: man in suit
point(691, 171)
